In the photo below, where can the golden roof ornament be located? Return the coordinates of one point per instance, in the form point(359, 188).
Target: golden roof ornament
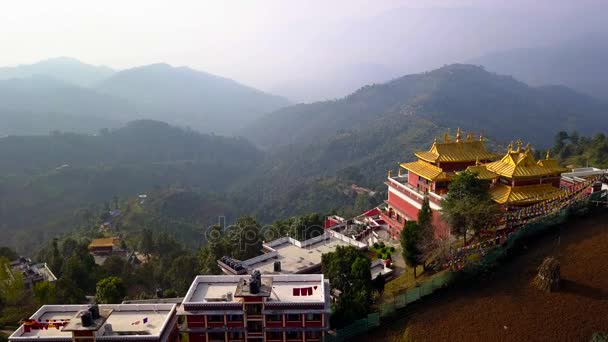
point(435, 141)
point(548, 155)
point(477, 161)
point(470, 136)
point(528, 148)
point(458, 134)
point(480, 136)
point(390, 173)
point(519, 143)
point(510, 147)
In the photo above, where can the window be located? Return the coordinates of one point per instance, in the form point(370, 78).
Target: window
point(236, 335)
point(313, 334)
point(235, 318)
point(294, 335)
point(254, 309)
point(274, 335)
point(313, 317)
point(293, 318)
point(274, 318)
point(254, 326)
point(215, 318)
point(217, 336)
point(398, 218)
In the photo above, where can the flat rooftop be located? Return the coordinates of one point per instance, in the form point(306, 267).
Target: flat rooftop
point(301, 288)
point(125, 320)
point(296, 259)
point(295, 256)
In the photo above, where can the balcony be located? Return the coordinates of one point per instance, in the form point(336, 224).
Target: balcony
point(411, 192)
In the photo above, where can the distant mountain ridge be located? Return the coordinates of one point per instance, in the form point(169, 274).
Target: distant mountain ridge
point(457, 95)
point(190, 98)
point(578, 63)
point(65, 69)
point(67, 95)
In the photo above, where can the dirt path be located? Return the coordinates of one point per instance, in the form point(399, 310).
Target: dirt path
point(504, 306)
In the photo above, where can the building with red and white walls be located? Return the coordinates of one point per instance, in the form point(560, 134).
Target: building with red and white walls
point(430, 176)
point(271, 308)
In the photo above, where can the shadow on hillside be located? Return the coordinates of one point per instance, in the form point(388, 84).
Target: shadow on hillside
point(569, 286)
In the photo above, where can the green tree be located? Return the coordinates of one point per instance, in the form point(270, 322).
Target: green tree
point(349, 271)
point(8, 253)
point(181, 272)
point(426, 240)
point(146, 243)
point(410, 239)
point(378, 283)
point(110, 290)
point(245, 237)
point(468, 205)
point(44, 293)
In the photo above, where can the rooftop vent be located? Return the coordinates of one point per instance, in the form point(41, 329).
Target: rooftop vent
point(255, 282)
point(86, 319)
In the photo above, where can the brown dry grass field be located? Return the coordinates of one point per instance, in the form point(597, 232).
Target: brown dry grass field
point(504, 306)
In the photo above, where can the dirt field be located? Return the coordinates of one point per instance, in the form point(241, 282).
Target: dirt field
point(505, 307)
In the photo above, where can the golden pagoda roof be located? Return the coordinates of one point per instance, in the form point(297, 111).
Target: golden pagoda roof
point(456, 151)
point(482, 172)
point(525, 194)
point(103, 242)
point(521, 164)
point(426, 170)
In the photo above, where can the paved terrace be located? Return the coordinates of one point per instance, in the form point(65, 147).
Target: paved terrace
point(298, 256)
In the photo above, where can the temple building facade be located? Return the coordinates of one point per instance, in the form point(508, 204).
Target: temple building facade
point(430, 176)
point(516, 179)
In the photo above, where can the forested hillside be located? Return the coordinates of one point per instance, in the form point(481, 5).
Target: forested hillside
point(453, 96)
point(72, 172)
point(40, 104)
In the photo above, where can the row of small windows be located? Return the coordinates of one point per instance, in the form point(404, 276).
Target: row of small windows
point(272, 318)
point(293, 317)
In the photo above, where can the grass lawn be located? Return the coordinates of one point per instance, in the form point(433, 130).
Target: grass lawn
point(403, 282)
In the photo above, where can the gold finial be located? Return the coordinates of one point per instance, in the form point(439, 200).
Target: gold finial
point(390, 173)
point(548, 155)
point(435, 141)
point(399, 171)
point(510, 147)
point(519, 143)
point(477, 161)
point(458, 134)
point(528, 148)
point(480, 136)
point(470, 136)
point(446, 138)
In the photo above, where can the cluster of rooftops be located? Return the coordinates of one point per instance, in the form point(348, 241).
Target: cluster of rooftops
point(208, 294)
point(516, 176)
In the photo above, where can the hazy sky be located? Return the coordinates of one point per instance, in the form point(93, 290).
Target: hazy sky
point(269, 43)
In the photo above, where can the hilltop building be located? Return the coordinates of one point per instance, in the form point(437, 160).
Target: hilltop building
point(519, 180)
point(430, 176)
point(287, 255)
point(111, 322)
point(269, 308)
point(104, 246)
point(32, 273)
